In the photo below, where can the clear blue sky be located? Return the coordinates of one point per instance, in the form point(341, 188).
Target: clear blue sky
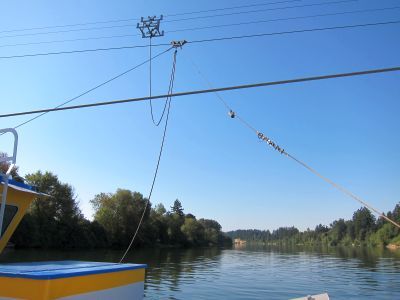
point(348, 129)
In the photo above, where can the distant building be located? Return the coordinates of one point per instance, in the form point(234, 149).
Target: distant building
point(239, 242)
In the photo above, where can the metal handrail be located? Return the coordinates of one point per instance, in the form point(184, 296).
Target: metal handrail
point(12, 159)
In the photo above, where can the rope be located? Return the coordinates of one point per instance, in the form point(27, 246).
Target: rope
point(168, 101)
point(169, 90)
point(343, 190)
point(210, 85)
point(150, 83)
point(263, 137)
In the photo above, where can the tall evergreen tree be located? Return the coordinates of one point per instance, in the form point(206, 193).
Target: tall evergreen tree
point(177, 208)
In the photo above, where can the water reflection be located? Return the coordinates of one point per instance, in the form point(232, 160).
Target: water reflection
point(365, 257)
point(253, 271)
point(168, 267)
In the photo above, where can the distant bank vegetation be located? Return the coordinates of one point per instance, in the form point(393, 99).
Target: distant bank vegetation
point(362, 229)
point(57, 221)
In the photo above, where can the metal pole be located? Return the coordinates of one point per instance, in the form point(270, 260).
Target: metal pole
point(6, 159)
point(3, 203)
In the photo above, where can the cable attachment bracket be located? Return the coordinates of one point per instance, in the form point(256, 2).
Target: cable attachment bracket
point(178, 44)
point(150, 27)
point(263, 137)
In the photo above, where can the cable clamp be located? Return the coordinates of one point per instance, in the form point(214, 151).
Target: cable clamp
point(232, 114)
point(178, 44)
point(266, 139)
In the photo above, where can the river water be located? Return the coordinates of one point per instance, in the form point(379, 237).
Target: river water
point(252, 272)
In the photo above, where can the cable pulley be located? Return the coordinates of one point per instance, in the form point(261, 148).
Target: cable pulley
point(178, 44)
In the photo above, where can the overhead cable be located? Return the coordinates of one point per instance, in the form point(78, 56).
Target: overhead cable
point(208, 40)
point(286, 19)
point(136, 19)
point(233, 114)
point(221, 89)
point(209, 27)
point(94, 88)
point(292, 31)
point(68, 40)
point(260, 10)
point(66, 31)
point(176, 20)
point(232, 7)
point(68, 25)
point(78, 51)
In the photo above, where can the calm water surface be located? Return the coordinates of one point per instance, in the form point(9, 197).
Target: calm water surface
point(252, 272)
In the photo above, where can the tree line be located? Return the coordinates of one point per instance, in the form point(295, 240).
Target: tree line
point(362, 229)
point(57, 222)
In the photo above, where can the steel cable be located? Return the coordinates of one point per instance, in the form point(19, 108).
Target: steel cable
point(274, 145)
point(157, 166)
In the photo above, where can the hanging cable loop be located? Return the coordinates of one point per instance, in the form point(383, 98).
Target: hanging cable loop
point(174, 45)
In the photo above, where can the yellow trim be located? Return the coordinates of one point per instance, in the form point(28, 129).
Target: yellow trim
point(32, 289)
point(20, 199)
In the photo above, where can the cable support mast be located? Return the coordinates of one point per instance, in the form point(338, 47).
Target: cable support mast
point(150, 28)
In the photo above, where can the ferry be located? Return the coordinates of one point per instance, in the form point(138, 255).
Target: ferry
point(56, 279)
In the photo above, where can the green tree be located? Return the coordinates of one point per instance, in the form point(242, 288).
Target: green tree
point(160, 209)
point(364, 223)
point(212, 231)
point(193, 231)
point(395, 216)
point(119, 214)
point(53, 221)
point(158, 219)
point(383, 236)
point(337, 231)
point(177, 208)
point(174, 223)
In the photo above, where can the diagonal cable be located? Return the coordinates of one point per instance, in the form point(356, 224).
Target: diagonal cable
point(275, 146)
point(94, 88)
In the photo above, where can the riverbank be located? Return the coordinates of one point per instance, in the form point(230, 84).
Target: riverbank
point(392, 247)
point(362, 229)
